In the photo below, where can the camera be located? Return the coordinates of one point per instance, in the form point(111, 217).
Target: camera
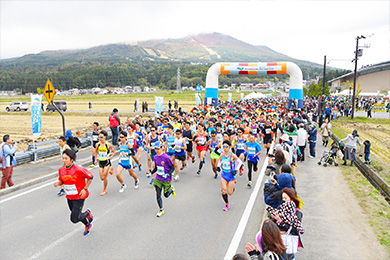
point(271, 155)
point(15, 142)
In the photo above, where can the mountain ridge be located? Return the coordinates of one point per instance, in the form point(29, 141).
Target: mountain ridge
point(207, 47)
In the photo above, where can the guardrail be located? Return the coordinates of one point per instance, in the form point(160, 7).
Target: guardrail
point(49, 148)
point(371, 176)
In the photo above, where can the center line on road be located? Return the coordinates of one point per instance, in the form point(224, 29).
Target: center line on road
point(247, 212)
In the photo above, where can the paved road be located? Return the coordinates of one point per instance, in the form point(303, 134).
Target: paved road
point(36, 224)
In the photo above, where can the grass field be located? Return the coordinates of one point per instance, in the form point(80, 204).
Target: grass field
point(124, 102)
point(377, 131)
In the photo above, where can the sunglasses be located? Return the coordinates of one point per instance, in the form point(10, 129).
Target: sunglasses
point(101, 136)
point(239, 132)
point(153, 130)
point(225, 146)
point(121, 137)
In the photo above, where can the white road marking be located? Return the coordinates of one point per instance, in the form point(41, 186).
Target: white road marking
point(36, 188)
point(26, 192)
point(247, 212)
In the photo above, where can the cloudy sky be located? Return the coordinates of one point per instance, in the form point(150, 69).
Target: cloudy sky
point(305, 30)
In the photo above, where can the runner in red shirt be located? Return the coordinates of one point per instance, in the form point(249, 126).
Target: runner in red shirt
point(76, 188)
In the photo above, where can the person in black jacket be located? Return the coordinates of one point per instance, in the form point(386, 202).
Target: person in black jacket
point(73, 142)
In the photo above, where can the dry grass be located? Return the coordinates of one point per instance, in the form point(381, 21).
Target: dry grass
point(375, 130)
point(18, 125)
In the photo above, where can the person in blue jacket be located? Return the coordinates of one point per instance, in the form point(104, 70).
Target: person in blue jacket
point(312, 140)
point(273, 189)
point(253, 151)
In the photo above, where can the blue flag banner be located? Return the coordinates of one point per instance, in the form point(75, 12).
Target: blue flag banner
point(198, 88)
point(159, 105)
point(36, 114)
point(242, 96)
point(230, 97)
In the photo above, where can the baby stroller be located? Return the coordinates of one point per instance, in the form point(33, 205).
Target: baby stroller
point(329, 157)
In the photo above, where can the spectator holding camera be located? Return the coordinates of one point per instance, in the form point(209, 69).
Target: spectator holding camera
point(275, 162)
point(7, 156)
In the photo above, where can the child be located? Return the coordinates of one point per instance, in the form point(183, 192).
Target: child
point(367, 146)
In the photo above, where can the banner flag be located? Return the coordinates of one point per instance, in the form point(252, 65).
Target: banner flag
point(36, 114)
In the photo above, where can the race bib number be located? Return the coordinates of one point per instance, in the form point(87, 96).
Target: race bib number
point(230, 127)
point(240, 146)
point(187, 142)
point(251, 150)
point(178, 150)
point(124, 157)
point(160, 170)
point(254, 131)
point(103, 156)
point(70, 189)
point(219, 137)
point(95, 138)
point(268, 131)
point(131, 140)
point(226, 165)
point(201, 140)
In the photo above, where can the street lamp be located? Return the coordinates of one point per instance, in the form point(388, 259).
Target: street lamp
point(357, 53)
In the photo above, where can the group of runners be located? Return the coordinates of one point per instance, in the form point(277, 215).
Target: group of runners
point(229, 135)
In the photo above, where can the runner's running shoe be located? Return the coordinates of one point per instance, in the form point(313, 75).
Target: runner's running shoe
point(92, 166)
point(151, 181)
point(182, 167)
point(198, 172)
point(173, 191)
point(104, 192)
point(111, 170)
point(89, 216)
point(160, 213)
point(193, 159)
point(139, 167)
point(87, 229)
point(249, 184)
point(227, 206)
point(241, 171)
point(216, 176)
point(61, 193)
point(123, 187)
point(176, 177)
point(188, 157)
point(136, 184)
point(149, 173)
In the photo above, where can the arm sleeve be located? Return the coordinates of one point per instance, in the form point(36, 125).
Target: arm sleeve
point(172, 169)
point(154, 170)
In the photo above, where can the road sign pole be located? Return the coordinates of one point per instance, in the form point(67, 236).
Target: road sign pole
point(63, 118)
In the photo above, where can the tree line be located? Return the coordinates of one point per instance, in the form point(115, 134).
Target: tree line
point(161, 74)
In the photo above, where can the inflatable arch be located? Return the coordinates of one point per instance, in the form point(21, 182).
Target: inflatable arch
point(295, 73)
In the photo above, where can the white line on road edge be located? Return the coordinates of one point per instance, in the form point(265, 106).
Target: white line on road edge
point(34, 189)
point(26, 192)
point(247, 212)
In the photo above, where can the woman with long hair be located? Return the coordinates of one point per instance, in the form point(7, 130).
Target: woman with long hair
point(270, 241)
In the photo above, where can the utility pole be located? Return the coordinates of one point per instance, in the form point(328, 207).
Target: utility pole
point(323, 77)
point(178, 87)
point(354, 76)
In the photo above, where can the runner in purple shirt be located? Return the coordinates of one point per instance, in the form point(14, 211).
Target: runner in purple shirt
point(163, 168)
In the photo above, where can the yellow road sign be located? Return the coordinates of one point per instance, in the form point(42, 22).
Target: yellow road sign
point(49, 91)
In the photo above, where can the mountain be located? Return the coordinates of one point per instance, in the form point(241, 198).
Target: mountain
point(205, 48)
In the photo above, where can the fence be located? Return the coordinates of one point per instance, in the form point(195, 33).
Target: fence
point(49, 148)
point(371, 176)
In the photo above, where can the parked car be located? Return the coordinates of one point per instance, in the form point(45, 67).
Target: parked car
point(17, 106)
point(60, 104)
